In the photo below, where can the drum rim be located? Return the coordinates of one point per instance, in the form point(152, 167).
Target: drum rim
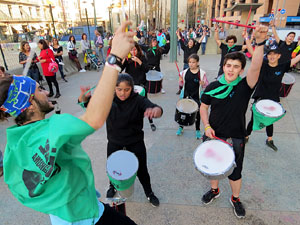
point(137, 161)
point(161, 75)
point(214, 174)
point(289, 75)
point(261, 113)
point(197, 108)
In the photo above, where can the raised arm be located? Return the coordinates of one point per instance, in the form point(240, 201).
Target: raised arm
point(295, 60)
point(272, 24)
point(100, 103)
point(217, 39)
point(248, 45)
point(202, 37)
point(260, 35)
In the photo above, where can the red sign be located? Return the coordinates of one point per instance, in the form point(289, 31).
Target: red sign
point(182, 21)
point(279, 10)
point(198, 21)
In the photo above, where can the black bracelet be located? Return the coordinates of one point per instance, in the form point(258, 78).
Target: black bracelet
point(261, 43)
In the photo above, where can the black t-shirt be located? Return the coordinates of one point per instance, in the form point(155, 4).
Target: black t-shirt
point(286, 50)
point(269, 82)
point(58, 50)
point(188, 51)
point(191, 85)
point(224, 50)
point(227, 116)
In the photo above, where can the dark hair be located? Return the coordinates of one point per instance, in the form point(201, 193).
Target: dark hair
point(139, 50)
point(236, 56)
point(4, 86)
point(83, 35)
point(231, 37)
point(124, 77)
point(193, 56)
point(44, 43)
point(74, 39)
point(192, 39)
point(292, 32)
point(22, 46)
point(2, 69)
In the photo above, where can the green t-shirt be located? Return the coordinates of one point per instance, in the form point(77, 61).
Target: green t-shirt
point(47, 170)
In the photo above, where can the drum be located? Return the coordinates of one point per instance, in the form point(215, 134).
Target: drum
point(140, 90)
point(287, 83)
point(121, 169)
point(214, 159)
point(266, 112)
point(186, 110)
point(154, 80)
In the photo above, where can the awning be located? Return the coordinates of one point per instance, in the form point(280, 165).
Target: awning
point(36, 26)
point(17, 27)
point(293, 19)
point(243, 7)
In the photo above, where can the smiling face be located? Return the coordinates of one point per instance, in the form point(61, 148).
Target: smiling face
point(123, 90)
point(290, 38)
point(273, 58)
point(232, 69)
point(230, 43)
point(191, 43)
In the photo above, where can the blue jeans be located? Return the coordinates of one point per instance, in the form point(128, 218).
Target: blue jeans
point(1, 159)
point(185, 66)
point(179, 47)
point(203, 47)
point(100, 51)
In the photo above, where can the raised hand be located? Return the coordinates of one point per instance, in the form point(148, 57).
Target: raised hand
point(260, 33)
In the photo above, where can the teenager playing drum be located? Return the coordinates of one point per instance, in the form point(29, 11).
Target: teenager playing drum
point(228, 99)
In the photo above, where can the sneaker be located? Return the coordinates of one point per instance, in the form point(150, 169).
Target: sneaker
point(82, 71)
point(50, 94)
point(178, 92)
point(153, 127)
point(209, 196)
point(153, 200)
point(162, 91)
point(246, 139)
point(61, 63)
point(111, 192)
point(198, 134)
point(179, 131)
point(271, 145)
point(57, 95)
point(64, 79)
point(238, 208)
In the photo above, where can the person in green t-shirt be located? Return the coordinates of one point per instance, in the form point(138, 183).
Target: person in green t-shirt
point(45, 166)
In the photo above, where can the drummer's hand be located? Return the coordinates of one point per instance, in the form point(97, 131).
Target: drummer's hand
point(202, 82)
point(123, 41)
point(260, 33)
point(136, 59)
point(210, 133)
point(153, 112)
point(84, 97)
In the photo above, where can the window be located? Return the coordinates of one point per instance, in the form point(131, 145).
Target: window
point(9, 10)
point(30, 12)
point(38, 11)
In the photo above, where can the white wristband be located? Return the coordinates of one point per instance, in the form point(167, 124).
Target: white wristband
point(116, 67)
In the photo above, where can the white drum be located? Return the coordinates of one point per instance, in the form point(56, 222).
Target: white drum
point(214, 159)
point(154, 80)
point(269, 108)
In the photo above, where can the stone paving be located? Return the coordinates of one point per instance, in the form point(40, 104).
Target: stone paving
point(270, 179)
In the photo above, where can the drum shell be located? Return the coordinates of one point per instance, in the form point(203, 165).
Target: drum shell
point(154, 86)
point(185, 119)
point(219, 176)
point(285, 90)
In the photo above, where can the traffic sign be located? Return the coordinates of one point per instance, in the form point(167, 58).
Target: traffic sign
point(283, 11)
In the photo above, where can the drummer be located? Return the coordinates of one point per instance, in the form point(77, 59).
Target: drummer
point(194, 81)
point(45, 166)
point(153, 55)
point(269, 84)
point(229, 98)
point(124, 128)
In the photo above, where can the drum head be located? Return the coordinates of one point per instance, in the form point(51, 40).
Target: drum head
point(154, 75)
point(269, 108)
point(288, 79)
point(214, 158)
point(122, 165)
point(187, 106)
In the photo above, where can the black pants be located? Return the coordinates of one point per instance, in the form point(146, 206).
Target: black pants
point(139, 149)
point(238, 145)
point(269, 129)
point(112, 217)
point(50, 80)
point(61, 70)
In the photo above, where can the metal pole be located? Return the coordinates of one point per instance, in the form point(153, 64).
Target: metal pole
point(87, 21)
point(283, 5)
point(52, 21)
point(174, 20)
point(4, 61)
point(95, 17)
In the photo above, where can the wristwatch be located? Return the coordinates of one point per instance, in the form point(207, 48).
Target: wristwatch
point(114, 60)
point(261, 43)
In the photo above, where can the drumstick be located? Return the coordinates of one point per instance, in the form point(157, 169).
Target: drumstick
point(222, 140)
point(248, 17)
point(177, 68)
point(236, 24)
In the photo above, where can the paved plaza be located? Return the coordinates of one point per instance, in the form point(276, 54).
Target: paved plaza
point(271, 179)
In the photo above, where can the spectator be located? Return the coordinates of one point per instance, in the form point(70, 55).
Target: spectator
point(98, 41)
point(45, 58)
point(85, 45)
point(222, 34)
point(71, 46)
point(204, 41)
point(33, 70)
point(2, 74)
point(58, 52)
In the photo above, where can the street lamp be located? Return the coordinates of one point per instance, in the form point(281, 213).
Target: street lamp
point(110, 17)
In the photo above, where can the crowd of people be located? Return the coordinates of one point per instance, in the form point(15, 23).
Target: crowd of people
point(222, 108)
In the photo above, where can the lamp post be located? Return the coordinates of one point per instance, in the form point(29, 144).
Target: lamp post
point(110, 17)
point(95, 17)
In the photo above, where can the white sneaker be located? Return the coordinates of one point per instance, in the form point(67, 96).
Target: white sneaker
point(82, 71)
point(61, 63)
point(162, 91)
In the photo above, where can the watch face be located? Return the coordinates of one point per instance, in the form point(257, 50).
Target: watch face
point(112, 60)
